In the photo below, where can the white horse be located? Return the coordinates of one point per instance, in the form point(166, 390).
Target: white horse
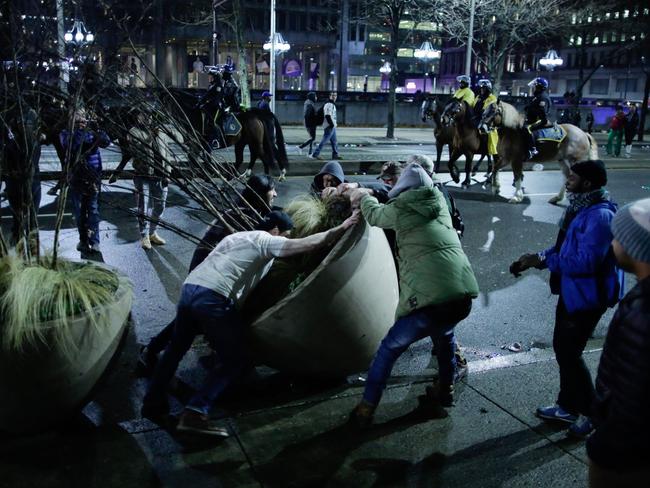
point(512, 148)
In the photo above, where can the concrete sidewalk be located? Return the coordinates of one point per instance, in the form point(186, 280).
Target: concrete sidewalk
point(287, 433)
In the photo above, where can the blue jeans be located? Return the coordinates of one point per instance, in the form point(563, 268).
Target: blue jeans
point(435, 321)
point(329, 134)
point(150, 200)
point(86, 214)
point(201, 311)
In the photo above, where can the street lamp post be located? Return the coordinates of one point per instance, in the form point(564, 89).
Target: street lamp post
point(276, 44)
point(427, 53)
point(470, 38)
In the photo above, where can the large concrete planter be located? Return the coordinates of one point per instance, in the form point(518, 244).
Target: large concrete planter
point(41, 385)
point(331, 325)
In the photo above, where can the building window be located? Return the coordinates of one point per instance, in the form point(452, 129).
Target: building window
point(510, 64)
point(571, 85)
point(599, 87)
point(405, 52)
point(379, 36)
point(626, 85)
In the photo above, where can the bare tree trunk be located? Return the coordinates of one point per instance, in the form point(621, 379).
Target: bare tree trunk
point(242, 69)
point(498, 74)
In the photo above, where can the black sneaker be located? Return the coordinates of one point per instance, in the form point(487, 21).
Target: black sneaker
point(337, 157)
point(197, 423)
point(362, 415)
point(146, 364)
point(438, 395)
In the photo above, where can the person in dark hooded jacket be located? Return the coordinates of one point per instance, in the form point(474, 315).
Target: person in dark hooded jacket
point(585, 276)
point(618, 449)
point(330, 176)
point(309, 116)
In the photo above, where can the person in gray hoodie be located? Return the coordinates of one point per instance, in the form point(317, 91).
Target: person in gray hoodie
point(309, 116)
point(330, 176)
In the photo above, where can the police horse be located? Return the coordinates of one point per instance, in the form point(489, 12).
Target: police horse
point(247, 129)
point(565, 143)
point(467, 141)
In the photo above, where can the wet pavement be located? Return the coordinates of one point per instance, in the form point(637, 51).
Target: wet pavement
point(291, 432)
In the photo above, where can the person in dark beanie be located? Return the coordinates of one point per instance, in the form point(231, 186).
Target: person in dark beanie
point(309, 116)
point(210, 303)
point(618, 449)
point(585, 276)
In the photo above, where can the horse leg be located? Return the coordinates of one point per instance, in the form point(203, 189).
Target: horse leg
point(469, 159)
point(478, 164)
point(453, 169)
point(518, 170)
point(436, 166)
point(560, 195)
point(239, 155)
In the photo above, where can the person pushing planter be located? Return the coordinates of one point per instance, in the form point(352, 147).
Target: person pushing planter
point(211, 298)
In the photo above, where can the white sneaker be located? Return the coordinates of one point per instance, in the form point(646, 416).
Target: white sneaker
point(299, 149)
point(146, 243)
point(156, 239)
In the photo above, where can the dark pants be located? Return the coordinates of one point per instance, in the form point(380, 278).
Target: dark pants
point(572, 331)
point(85, 206)
point(436, 322)
point(311, 130)
point(201, 311)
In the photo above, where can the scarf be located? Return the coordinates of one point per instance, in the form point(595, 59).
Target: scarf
point(579, 201)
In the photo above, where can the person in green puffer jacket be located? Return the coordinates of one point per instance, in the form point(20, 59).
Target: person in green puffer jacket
point(437, 283)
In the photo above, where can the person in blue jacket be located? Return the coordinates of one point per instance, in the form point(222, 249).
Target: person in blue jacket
point(587, 279)
point(85, 177)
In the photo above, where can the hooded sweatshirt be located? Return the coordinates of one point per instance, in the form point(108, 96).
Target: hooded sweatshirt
point(331, 168)
point(433, 269)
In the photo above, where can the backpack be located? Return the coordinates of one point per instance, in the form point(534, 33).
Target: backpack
point(456, 217)
point(319, 116)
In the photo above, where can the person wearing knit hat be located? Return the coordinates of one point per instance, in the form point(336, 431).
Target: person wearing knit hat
point(593, 171)
point(436, 284)
point(585, 276)
point(618, 448)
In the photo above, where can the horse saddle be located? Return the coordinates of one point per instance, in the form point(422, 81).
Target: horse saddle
point(550, 134)
point(231, 126)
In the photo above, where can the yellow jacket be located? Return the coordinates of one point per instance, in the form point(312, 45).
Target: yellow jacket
point(465, 94)
point(490, 99)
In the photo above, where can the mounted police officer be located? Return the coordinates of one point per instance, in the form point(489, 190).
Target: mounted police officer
point(231, 90)
point(464, 92)
point(212, 102)
point(537, 111)
point(486, 97)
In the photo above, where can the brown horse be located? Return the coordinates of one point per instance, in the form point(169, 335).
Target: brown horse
point(432, 109)
point(254, 132)
point(577, 145)
point(467, 139)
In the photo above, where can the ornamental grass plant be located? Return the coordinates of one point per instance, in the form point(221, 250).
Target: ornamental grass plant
point(39, 301)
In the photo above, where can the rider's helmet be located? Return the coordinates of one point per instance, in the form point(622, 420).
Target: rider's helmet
point(463, 79)
point(227, 72)
point(539, 83)
point(485, 84)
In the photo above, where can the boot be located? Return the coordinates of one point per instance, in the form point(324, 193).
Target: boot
point(438, 395)
point(362, 415)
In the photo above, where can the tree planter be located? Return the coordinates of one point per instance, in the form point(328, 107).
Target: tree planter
point(42, 385)
point(332, 324)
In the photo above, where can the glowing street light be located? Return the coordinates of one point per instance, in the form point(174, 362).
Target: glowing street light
point(281, 46)
point(551, 60)
point(79, 34)
point(427, 52)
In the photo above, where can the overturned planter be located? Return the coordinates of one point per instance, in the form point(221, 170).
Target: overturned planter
point(332, 324)
point(42, 386)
